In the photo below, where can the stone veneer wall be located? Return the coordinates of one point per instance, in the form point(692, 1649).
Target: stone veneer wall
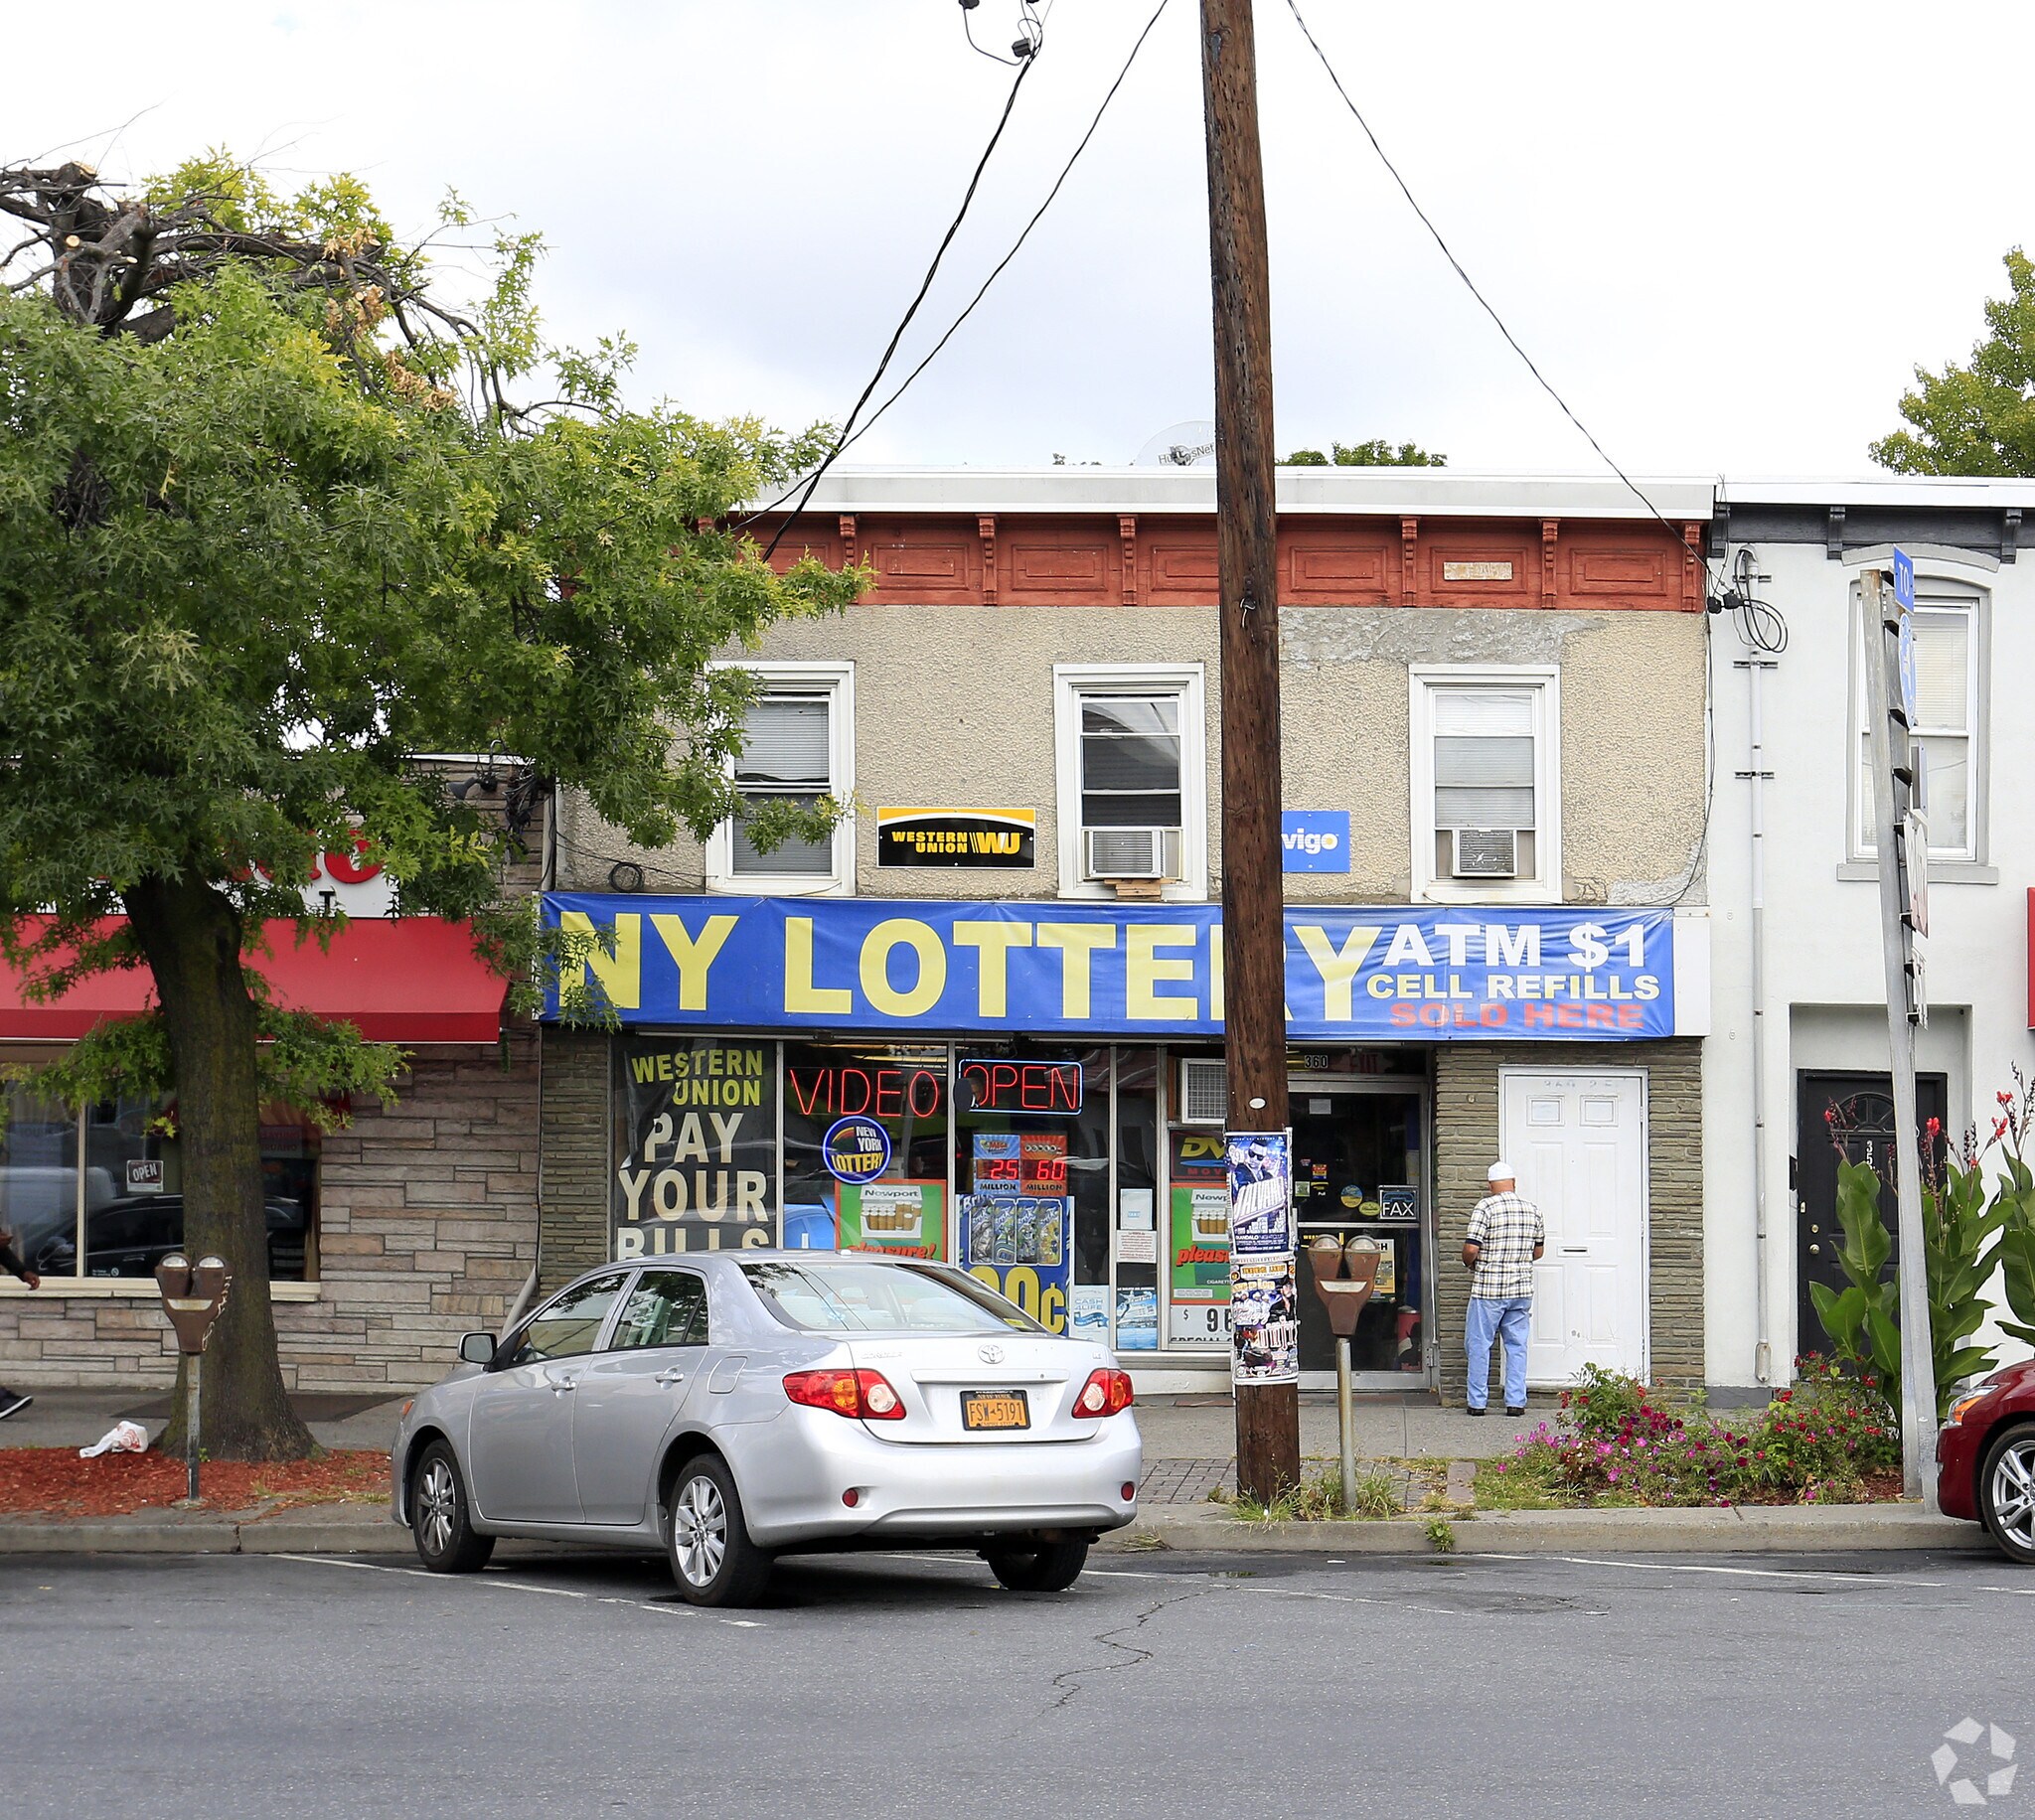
point(1467, 1140)
point(428, 1228)
point(574, 1127)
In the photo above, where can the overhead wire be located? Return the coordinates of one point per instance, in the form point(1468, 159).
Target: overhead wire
point(1470, 284)
point(996, 273)
point(905, 322)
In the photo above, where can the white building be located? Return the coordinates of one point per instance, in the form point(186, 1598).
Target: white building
point(1815, 1032)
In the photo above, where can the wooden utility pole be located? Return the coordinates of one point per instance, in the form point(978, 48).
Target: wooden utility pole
point(1246, 530)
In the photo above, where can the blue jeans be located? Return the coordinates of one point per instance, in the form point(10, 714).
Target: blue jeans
point(1491, 1319)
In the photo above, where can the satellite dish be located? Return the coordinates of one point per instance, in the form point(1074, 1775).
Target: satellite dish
point(1179, 445)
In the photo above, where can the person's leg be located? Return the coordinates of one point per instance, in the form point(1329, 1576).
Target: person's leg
point(1514, 1322)
point(1477, 1338)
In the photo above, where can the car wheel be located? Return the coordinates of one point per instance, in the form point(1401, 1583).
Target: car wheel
point(442, 1515)
point(713, 1559)
point(2006, 1491)
point(1043, 1567)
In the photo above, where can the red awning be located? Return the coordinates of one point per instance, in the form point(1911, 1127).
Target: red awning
point(405, 979)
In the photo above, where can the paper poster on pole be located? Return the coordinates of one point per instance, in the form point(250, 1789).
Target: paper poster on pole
point(1264, 1316)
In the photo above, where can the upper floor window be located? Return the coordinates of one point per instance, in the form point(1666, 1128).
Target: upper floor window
point(797, 745)
point(1133, 788)
point(1948, 676)
point(1486, 776)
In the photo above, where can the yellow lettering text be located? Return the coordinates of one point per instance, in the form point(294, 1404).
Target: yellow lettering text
point(1143, 970)
point(1337, 966)
point(993, 973)
point(800, 994)
point(1076, 943)
point(924, 993)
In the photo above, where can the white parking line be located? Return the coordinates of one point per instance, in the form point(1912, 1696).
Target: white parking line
point(1682, 1567)
point(497, 1578)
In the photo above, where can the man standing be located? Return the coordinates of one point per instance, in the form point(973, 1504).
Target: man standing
point(1506, 1237)
point(10, 1261)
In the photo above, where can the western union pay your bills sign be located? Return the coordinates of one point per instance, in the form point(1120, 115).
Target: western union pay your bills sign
point(1357, 974)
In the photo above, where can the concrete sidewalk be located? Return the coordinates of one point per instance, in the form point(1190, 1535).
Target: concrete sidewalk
point(1200, 1427)
point(365, 1529)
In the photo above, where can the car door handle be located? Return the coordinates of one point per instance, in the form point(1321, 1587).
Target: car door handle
point(560, 1384)
point(672, 1375)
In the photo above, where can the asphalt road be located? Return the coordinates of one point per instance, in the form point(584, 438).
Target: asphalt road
point(1164, 1685)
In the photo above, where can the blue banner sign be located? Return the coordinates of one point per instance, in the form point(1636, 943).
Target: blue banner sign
point(889, 967)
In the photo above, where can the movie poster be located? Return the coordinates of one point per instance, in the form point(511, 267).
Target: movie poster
point(1264, 1313)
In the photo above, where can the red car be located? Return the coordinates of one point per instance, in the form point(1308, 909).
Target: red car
point(1985, 1460)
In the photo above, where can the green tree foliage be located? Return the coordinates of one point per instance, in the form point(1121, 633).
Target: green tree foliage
point(1978, 419)
point(1376, 453)
point(272, 522)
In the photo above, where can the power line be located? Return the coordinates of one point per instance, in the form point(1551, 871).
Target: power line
point(996, 273)
point(925, 284)
point(1470, 284)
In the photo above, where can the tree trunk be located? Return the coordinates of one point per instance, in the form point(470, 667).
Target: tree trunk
point(192, 936)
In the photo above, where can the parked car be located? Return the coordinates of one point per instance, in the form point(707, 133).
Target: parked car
point(736, 1406)
point(1985, 1460)
point(131, 1235)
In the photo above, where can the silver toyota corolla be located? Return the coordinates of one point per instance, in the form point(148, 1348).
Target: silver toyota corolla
point(739, 1405)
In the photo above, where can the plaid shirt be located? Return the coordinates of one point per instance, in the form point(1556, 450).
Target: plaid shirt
point(1508, 1228)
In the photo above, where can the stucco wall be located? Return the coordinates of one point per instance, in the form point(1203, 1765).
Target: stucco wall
point(954, 704)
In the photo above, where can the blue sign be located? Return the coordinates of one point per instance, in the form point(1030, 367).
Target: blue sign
point(1314, 840)
point(892, 968)
point(1903, 581)
point(855, 1150)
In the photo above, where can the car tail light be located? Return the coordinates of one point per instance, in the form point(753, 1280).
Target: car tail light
point(1129, 1494)
point(1107, 1392)
point(863, 1394)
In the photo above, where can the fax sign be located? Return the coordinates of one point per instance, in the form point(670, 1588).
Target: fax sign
point(1314, 840)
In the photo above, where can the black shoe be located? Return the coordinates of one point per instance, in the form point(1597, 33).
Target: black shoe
point(1515, 1409)
point(11, 1405)
point(1477, 1410)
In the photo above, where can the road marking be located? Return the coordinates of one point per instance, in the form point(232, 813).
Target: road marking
point(1679, 1567)
point(497, 1578)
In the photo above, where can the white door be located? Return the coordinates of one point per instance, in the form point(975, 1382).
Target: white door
point(1579, 1144)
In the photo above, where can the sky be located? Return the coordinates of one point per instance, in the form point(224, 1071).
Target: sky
point(1727, 233)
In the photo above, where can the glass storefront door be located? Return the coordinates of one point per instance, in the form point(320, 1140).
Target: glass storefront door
point(1359, 1166)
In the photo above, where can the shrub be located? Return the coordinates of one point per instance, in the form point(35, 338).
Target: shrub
point(1616, 1439)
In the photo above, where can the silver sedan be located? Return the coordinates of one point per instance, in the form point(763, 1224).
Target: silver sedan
point(733, 1406)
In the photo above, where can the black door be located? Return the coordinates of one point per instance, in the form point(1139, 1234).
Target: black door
point(1864, 1108)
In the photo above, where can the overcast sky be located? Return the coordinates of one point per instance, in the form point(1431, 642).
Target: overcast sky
point(1726, 231)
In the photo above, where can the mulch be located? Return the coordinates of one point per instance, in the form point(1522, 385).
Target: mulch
point(54, 1481)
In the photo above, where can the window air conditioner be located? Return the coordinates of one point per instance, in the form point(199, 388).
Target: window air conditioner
point(1204, 1091)
point(1129, 853)
point(1484, 852)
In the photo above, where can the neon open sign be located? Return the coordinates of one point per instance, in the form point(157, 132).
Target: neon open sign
point(1004, 1085)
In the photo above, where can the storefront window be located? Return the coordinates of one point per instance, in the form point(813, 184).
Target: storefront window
point(1032, 1165)
point(1138, 1223)
point(695, 1144)
point(865, 1148)
point(121, 1212)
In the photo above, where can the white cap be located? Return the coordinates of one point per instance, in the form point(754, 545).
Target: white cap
point(1500, 1171)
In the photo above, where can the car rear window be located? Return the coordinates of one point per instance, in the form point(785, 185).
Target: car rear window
point(861, 1295)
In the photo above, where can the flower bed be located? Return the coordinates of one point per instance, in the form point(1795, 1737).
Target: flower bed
point(1828, 1439)
point(54, 1481)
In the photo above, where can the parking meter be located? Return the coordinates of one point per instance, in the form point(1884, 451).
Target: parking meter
point(193, 1296)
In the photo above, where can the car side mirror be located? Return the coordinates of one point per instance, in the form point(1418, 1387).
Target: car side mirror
point(477, 1348)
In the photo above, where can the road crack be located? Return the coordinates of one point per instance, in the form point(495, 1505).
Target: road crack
point(1131, 1654)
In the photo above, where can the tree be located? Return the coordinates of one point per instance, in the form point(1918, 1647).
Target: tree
point(272, 523)
point(1979, 418)
point(1376, 453)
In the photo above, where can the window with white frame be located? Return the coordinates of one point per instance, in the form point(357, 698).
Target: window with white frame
point(1486, 807)
point(1133, 788)
point(798, 746)
point(1949, 661)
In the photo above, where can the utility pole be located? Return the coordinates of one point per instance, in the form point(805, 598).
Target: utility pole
point(1902, 841)
point(1246, 532)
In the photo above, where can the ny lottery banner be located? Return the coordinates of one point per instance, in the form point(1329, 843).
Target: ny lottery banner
point(1352, 974)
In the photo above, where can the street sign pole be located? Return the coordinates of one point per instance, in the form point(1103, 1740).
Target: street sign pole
point(1892, 772)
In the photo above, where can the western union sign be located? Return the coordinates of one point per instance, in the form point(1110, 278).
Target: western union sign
point(955, 837)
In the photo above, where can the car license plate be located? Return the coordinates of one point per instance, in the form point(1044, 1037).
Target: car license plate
point(995, 1409)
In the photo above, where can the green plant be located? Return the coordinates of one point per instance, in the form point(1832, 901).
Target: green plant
point(1960, 1239)
point(1602, 1403)
point(1861, 1319)
point(1377, 1497)
point(1440, 1535)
